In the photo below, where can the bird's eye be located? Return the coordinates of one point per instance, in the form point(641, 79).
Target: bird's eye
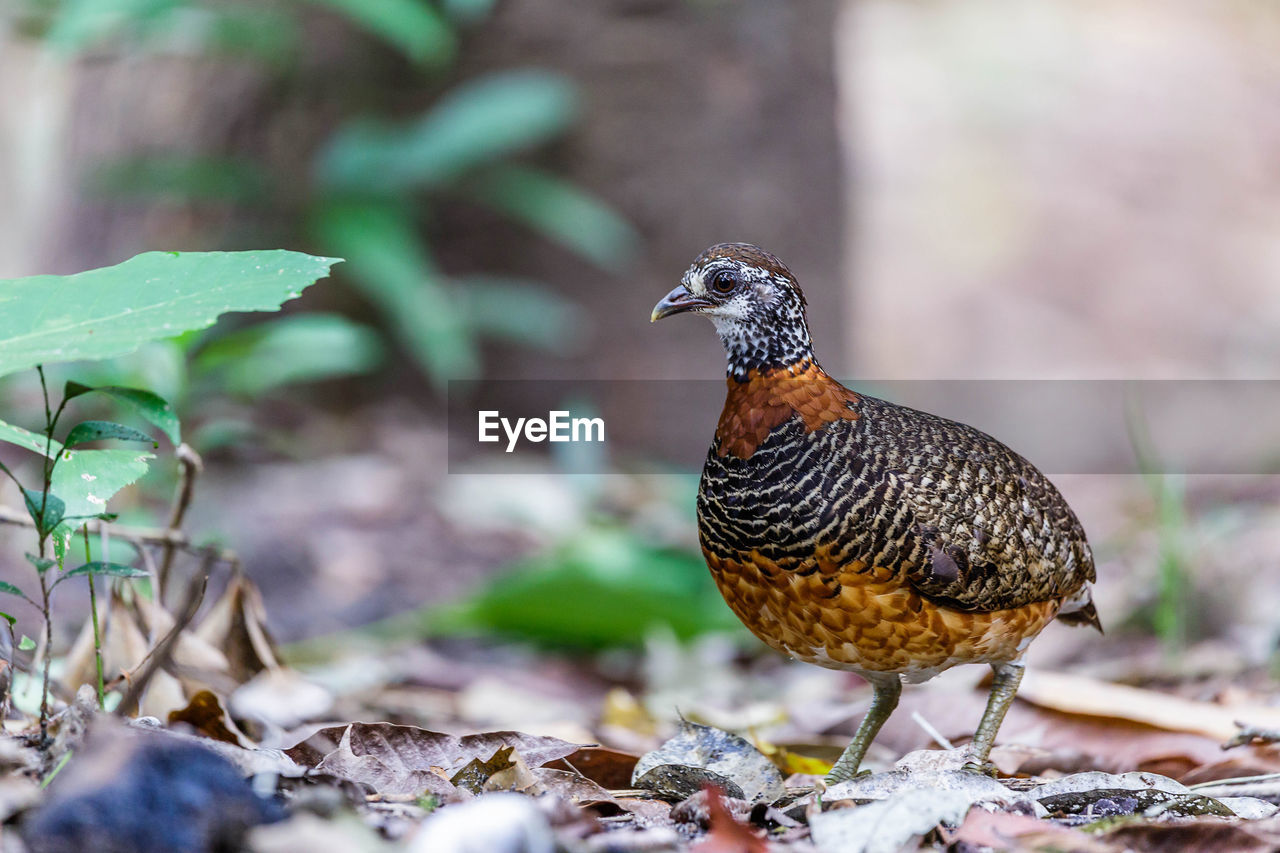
point(724, 281)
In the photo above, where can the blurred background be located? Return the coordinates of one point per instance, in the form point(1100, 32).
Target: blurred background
point(979, 190)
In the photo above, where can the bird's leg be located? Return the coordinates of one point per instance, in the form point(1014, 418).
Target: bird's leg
point(1003, 688)
point(883, 701)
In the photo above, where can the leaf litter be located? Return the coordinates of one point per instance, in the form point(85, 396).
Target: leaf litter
point(592, 755)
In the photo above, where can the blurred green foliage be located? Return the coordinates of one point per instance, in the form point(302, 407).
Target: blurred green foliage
point(603, 587)
point(379, 180)
point(1171, 616)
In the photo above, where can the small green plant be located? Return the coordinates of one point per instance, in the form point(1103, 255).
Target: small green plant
point(100, 314)
point(54, 514)
point(1172, 616)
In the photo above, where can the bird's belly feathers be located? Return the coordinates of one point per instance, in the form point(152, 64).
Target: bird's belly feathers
point(789, 540)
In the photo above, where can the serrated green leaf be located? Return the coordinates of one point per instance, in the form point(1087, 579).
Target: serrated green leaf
point(45, 511)
point(112, 311)
point(99, 567)
point(87, 431)
point(5, 586)
point(42, 564)
point(26, 644)
point(478, 122)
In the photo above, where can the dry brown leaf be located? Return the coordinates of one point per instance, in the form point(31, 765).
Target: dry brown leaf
point(408, 760)
point(1009, 831)
point(727, 835)
point(190, 652)
point(1079, 694)
point(1036, 739)
point(237, 624)
point(476, 773)
point(608, 768)
point(1199, 835)
point(205, 714)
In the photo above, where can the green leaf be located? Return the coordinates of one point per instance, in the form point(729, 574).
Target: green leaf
point(561, 212)
point(478, 122)
point(45, 511)
point(391, 267)
point(26, 644)
point(290, 350)
point(113, 570)
point(5, 586)
point(86, 479)
point(42, 564)
point(413, 26)
point(87, 431)
point(112, 311)
point(152, 407)
point(33, 441)
point(8, 618)
point(620, 587)
point(524, 311)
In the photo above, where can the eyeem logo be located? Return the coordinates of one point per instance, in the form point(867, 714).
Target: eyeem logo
point(558, 426)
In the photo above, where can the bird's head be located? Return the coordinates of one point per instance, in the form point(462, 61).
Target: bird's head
point(754, 302)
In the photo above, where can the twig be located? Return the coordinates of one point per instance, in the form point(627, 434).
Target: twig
point(931, 731)
point(1252, 735)
point(158, 657)
point(190, 466)
point(1266, 787)
point(93, 609)
point(133, 535)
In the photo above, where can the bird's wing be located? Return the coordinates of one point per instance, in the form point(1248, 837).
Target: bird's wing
point(993, 533)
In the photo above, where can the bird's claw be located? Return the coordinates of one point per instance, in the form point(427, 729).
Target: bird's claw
point(982, 768)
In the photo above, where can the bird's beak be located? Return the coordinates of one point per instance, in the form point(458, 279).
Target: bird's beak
point(676, 302)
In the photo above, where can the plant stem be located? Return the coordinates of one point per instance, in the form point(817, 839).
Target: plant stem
point(50, 420)
point(97, 636)
point(48, 649)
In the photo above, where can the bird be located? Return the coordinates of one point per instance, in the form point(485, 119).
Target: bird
point(860, 535)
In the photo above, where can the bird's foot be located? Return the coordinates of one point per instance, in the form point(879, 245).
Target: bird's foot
point(833, 779)
point(982, 768)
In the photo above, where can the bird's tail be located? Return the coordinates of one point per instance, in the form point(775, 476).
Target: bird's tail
point(1079, 610)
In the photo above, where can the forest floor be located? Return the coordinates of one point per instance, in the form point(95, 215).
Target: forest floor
point(402, 736)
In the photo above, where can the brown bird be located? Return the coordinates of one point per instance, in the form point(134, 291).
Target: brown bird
point(860, 535)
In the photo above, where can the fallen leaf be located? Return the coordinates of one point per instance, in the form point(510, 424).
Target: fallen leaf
point(608, 768)
point(237, 624)
point(887, 825)
point(1011, 831)
point(975, 788)
point(493, 823)
point(205, 714)
point(1199, 835)
point(727, 835)
point(409, 760)
point(281, 698)
point(1078, 694)
point(702, 754)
